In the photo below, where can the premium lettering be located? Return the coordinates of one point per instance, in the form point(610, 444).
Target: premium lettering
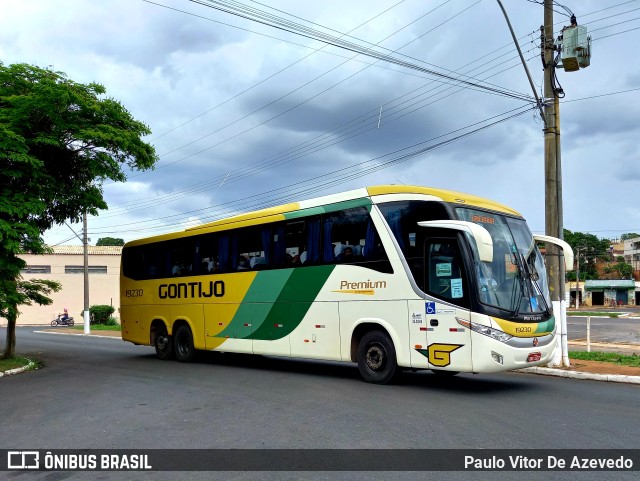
point(368, 284)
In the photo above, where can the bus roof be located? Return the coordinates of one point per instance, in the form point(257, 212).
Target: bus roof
point(362, 196)
point(372, 192)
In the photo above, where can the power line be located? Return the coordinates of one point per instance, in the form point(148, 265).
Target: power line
point(618, 33)
point(343, 174)
point(357, 170)
point(604, 37)
point(256, 15)
point(602, 95)
point(284, 96)
point(201, 151)
point(252, 128)
point(278, 159)
point(264, 106)
point(265, 79)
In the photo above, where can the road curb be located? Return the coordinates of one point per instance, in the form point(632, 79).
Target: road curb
point(18, 370)
point(549, 371)
point(79, 335)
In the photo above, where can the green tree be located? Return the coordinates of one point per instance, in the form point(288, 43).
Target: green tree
point(629, 235)
point(620, 270)
point(110, 241)
point(59, 140)
point(588, 250)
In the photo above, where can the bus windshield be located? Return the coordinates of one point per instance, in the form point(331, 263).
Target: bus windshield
point(516, 280)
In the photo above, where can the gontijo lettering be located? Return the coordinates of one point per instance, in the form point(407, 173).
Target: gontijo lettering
point(186, 290)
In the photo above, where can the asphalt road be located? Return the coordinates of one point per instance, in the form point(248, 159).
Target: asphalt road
point(605, 329)
point(103, 393)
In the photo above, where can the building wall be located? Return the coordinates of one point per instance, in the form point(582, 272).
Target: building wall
point(103, 288)
point(632, 252)
point(609, 295)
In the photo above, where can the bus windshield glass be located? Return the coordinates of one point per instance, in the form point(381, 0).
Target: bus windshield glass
point(516, 279)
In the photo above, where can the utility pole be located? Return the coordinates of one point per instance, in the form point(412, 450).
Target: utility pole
point(85, 243)
point(577, 278)
point(553, 187)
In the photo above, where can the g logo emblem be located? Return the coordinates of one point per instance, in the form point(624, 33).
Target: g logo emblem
point(439, 355)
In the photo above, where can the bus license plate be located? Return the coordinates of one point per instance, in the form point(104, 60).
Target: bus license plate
point(534, 356)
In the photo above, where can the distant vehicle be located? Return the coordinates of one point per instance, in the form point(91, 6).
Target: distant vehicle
point(391, 277)
point(59, 321)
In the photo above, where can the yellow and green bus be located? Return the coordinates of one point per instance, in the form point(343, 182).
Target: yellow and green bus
point(390, 277)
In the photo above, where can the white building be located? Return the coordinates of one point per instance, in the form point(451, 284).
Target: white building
point(66, 266)
point(632, 252)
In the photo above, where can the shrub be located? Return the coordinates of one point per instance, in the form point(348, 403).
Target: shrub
point(111, 321)
point(99, 314)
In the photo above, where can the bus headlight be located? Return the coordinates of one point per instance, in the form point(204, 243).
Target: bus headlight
point(485, 330)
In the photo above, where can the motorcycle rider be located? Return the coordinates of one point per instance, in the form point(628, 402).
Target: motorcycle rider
point(64, 316)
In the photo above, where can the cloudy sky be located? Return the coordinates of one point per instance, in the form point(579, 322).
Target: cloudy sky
point(245, 115)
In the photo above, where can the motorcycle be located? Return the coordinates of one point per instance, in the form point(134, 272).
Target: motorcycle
point(62, 322)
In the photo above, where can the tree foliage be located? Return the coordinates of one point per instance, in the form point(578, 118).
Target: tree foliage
point(619, 270)
point(59, 140)
point(588, 250)
point(110, 241)
point(629, 235)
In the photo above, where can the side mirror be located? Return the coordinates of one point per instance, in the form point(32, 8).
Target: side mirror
point(566, 248)
point(481, 235)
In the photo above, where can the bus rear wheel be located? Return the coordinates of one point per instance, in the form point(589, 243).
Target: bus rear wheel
point(377, 358)
point(162, 343)
point(183, 344)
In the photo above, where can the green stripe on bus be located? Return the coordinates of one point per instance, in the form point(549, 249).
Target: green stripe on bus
point(347, 204)
point(547, 326)
point(255, 306)
point(293, 303)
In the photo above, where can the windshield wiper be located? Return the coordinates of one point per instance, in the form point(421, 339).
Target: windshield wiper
point(516, 300)
point(534, 280)
point(537, 291)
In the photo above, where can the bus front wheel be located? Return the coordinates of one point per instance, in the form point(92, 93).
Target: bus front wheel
point(162, 343)
point(377, 358)
point(183, 344)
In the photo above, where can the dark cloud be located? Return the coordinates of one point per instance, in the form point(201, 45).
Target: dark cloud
point(203, 88)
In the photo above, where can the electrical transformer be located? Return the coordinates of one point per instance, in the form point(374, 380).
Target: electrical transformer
point(576, 48)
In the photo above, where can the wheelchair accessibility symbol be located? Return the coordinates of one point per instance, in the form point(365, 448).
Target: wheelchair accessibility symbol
point(431, 307)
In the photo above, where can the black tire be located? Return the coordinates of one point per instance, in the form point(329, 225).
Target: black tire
point(183, 344)
point(377, 358)
point(71, 322)
point(54, 323)
point(163, 345)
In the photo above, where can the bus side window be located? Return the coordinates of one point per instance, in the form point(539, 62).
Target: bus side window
point(402, 218)
point(350, 237)
point(294, 242)
point(253, 248)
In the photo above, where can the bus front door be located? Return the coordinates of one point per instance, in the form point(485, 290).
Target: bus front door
point(446, 301)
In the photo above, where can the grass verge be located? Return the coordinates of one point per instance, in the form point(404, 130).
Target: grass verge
point(615, 315)
point(632, 360)
point(100, 327)
point(13, 363)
